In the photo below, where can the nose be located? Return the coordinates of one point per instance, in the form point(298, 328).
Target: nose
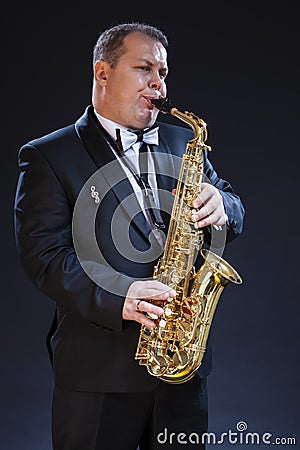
point(155, 82)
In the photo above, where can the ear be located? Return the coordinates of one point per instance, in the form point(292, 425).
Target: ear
point(101, 72)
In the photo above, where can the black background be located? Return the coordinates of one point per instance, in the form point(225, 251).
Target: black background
point(237, 66)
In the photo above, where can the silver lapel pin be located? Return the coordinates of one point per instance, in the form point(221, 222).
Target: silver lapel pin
point(95, 194)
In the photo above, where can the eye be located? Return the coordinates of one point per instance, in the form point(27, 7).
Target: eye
point(144, 68)
point(163, 74)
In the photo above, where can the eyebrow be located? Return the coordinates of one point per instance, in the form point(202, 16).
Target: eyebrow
point(146, 61)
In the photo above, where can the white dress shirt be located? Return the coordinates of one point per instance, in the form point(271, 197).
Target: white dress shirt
point(132, 155)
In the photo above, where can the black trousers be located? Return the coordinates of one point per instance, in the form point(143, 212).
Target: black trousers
point(171, 417)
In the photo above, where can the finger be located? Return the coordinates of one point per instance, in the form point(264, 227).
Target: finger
point(158, 285)
point(216, 218)
point(204, 211)
point(149, 308)
point(152, 294)
point(207, 191)
point(152, 290)
point(146, 312)
point(143, 320)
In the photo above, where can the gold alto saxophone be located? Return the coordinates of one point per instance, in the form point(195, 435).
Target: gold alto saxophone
point(173, 350)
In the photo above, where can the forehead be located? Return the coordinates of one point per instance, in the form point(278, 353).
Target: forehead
point(139, 45)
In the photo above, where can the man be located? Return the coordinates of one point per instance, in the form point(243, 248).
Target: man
point(77, 179)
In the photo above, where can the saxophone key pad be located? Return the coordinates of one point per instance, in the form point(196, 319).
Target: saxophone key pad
point(162, 323)
point(168, 312)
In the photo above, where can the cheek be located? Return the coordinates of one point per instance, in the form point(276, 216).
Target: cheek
point(119, 94)
point(163, 89)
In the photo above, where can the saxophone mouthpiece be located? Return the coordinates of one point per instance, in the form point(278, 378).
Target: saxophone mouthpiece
point(163, 104)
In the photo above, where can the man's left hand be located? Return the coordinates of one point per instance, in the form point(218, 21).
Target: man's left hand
point(209, 207)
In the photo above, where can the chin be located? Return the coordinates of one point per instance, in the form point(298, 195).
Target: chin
point(148, 119)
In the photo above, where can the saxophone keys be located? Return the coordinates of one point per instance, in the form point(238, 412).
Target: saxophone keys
point(180, 359)
point(162, 323)
point(157, 366)
point(168, 312)
point(184, 332)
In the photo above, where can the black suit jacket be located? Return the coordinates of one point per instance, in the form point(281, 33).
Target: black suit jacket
point(57, 218)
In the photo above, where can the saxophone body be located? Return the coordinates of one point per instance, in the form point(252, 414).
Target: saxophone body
point(173, 350)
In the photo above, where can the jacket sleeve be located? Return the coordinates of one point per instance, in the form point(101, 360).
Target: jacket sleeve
point(43, 229)
point(232, 203)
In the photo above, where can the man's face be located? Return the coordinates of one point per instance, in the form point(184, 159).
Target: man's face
point(139, 76)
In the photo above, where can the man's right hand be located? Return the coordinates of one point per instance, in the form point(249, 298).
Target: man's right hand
point(139, 297)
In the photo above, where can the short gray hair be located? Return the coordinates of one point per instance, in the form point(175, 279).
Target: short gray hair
point(110, 44)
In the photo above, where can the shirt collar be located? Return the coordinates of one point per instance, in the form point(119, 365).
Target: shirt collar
point(109, 125)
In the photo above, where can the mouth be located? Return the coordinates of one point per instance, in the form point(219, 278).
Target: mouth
point(149, 103)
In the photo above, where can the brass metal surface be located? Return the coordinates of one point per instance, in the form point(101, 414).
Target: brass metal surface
point(173, 350)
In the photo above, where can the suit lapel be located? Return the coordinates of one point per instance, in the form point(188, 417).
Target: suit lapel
point(97, 143)
point(165, 165)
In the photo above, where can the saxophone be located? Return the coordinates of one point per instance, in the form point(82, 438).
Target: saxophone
point(173, 350)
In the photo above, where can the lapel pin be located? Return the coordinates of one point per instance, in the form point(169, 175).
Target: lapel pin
point(95, 194)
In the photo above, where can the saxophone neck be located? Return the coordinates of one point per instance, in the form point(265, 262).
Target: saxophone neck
point(197, 124)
